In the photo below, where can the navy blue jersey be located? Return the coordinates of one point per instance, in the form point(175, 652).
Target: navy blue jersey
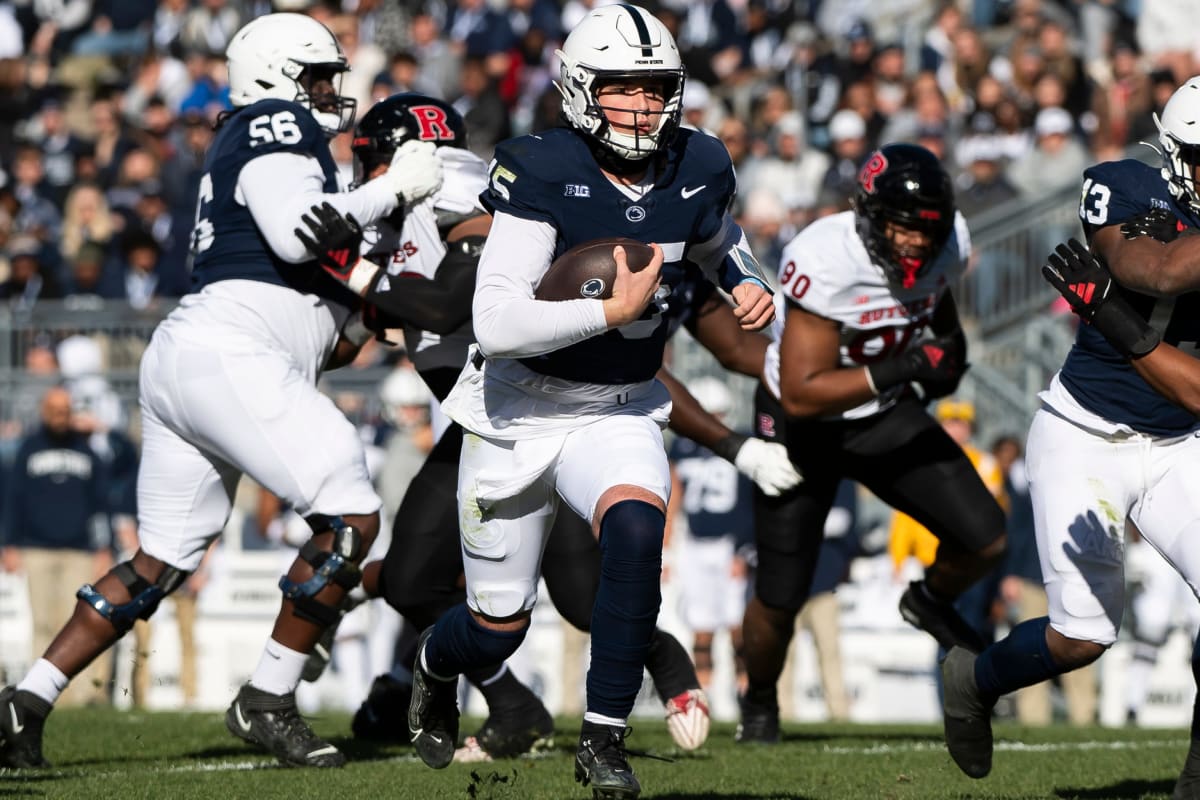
point(226, 241)
point(1095, 374)
point(552, 177)
point(716, 497)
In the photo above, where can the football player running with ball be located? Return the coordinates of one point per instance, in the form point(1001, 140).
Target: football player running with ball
point(228, 387)
point(858, 292)
point(434, 249)
point(1116, 436)
point(559, 398)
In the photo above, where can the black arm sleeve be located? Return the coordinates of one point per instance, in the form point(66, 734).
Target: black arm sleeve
point(441, 305)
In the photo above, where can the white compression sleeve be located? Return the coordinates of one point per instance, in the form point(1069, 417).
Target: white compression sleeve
point(509, 323)
point(279, 188)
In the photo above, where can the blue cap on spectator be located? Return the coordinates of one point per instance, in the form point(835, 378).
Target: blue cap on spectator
point(859, 29)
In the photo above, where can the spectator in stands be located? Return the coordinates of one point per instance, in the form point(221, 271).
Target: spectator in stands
point(146, 277)
point(92, 276)
point(86, 220)
point(29, 280)
point(111, 139)
point(1122, 97)
point(793, 171)
point(848, 142)
point(983, 184)
point(57, 529)
point(181, 175)
point(924, 108)
point(1057, 159)
point(60, 148)
point(209, 25)
point(482, 109)
point(38, 215)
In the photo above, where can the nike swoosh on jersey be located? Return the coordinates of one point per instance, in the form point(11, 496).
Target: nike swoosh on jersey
point(16, 722)
point(685, 192)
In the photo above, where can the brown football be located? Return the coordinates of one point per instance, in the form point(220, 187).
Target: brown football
point(587, 270)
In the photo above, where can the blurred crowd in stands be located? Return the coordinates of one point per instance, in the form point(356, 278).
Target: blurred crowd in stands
point(107, 106)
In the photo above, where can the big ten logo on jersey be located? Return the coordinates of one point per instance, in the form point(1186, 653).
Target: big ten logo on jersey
point(431, 124)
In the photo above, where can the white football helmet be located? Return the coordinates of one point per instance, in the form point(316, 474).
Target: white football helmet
point(283, 56)
point(616, 42)
point(1179, 135)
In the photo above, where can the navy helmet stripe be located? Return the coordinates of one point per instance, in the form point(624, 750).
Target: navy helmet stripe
point(643, 31)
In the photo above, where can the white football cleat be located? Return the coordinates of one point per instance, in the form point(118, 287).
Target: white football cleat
point(687, 718)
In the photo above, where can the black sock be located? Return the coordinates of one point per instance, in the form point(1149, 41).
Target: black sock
point(500, 688)
point(669, 666)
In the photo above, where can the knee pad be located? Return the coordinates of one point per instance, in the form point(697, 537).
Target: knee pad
point(144, 596)
point(339, 566)
point(634, 530)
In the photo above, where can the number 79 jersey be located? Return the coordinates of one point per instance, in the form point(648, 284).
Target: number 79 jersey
point(827, 271)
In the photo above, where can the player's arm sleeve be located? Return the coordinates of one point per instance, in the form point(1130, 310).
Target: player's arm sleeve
point(726, 259)
point(440, 305)
point(279, 188)
point(509, 323)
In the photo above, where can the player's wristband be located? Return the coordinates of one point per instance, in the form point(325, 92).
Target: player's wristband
point(728, 447)
point(883, 375)
point(1131, 335)
point(362, 276)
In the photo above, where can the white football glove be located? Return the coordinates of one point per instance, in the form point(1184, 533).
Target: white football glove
point(768, 465)
point(415, 172)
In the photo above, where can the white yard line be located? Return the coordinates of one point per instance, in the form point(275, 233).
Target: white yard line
point(1022, 747)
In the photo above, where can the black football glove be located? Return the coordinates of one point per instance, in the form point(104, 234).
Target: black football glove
point(937, 362)
point(1158, 224)
point(335, 241)
point(1085, 283)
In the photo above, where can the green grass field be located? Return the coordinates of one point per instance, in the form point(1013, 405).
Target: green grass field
point(100, 754)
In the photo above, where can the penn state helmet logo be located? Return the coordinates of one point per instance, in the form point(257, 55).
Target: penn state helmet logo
point(592, 287)
point(635, 213)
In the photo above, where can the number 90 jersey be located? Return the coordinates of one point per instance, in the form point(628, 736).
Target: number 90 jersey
point(225, 240)
point(827, 271)
point(1098, 377)
point(552, 177)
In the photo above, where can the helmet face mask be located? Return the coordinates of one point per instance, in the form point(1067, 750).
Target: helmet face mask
point(904, 204)
point(291, 57)
point(1181, 143)
point(621, 45)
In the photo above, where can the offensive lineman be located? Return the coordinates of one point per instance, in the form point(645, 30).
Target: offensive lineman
point(228, 386)
point(1116, 436)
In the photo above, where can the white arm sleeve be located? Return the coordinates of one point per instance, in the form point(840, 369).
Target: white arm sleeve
point(279, 188)
point(509, 323)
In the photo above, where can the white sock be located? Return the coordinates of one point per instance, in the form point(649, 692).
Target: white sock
point(279, 669)
point(45, 680)
point(1137, 683)
point(600, 719)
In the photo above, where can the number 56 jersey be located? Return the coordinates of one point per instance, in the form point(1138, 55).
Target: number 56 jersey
point(827, 271)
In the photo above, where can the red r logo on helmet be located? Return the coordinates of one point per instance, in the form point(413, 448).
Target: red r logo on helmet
point(433, 124)
point(874, 167)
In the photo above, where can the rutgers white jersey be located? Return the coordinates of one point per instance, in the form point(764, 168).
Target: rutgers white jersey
point(417, 249)
point(827, 271)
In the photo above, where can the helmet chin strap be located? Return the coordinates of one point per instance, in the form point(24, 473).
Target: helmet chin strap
point(910, 266)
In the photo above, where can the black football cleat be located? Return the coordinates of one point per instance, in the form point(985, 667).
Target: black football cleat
point(602, 762)
point(939, 619)
point(512, 733)
point(382, 717)
point(1188, 785)
point(759, 723)
point(22, 718)
point(273, 722)
point(433, 713)
point(966, 714)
